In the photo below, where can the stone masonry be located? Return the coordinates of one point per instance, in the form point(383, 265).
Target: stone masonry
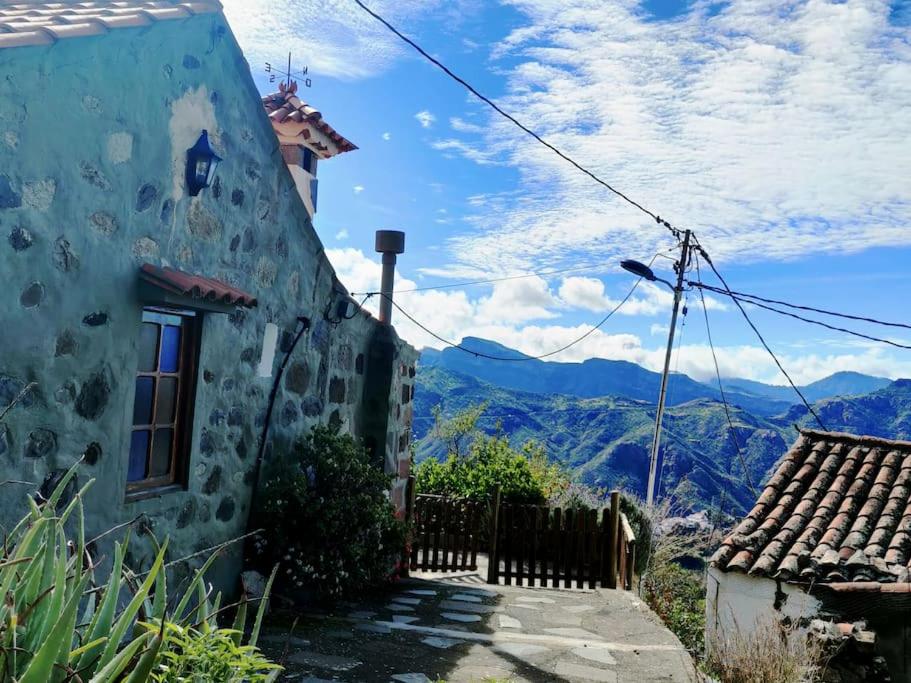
point(91, 187)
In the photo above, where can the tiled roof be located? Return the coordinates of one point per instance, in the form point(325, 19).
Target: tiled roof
point(43, 23)
point(195, 286)
point(837, 509)
point(285, 107)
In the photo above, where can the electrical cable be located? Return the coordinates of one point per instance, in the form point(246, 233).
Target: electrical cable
point(762, 340)
point(823, 311)
point(834, 328)
point(724, 400)
point(480, 354)
point(484, 282)
point(512, 119)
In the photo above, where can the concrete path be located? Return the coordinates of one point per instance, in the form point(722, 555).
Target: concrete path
point(460, 630)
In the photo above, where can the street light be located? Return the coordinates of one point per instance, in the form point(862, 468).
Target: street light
point(643, 271)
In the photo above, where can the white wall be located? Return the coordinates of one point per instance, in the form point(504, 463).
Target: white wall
point(737, 601)
point(302, 181)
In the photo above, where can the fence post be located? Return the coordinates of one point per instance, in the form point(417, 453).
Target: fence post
point(409, 520)
point(493, 560)
point(612, 539)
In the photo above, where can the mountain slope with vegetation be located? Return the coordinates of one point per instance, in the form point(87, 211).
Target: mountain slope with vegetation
point(605, 440)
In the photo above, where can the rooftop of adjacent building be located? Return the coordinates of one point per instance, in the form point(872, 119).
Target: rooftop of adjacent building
point(837, 509)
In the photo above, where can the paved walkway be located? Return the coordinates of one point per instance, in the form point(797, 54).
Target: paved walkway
point(458, 629)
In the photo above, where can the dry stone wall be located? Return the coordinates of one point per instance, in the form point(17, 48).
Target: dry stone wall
point(93, 140)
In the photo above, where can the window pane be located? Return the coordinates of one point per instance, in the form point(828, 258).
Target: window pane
point(142, 404)
point(148, 347)
point(161, 452)
point(170, 348)
point(165, 400)
point(139, 448)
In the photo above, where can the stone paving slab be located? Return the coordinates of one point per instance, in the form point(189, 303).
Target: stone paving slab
point(513, 634)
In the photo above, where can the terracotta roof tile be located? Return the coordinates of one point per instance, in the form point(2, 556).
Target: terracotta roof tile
point(42, 23)
point(837, 508)
point(285, 107)
point(195, 286)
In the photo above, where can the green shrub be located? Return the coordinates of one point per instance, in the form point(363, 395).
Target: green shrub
point(477, 463)
point(330, 526)
point(209, 654)
point(490, 462)
point(55, 628)
point(677, 595)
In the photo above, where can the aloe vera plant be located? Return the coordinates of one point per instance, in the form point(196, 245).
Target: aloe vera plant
point(54, 630)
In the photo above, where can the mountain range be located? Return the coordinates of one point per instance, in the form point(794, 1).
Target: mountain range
point(597, 418)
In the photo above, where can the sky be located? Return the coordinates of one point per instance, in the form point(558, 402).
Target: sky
point(778, 131)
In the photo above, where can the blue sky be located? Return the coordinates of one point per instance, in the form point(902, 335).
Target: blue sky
point(777, 131)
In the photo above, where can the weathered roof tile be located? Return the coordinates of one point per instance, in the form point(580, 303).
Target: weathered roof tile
point(837, 508)
point(286, 108)
point(42, 23)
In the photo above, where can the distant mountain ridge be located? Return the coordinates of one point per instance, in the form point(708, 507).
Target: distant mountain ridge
point(603, 438)
point(601, 377)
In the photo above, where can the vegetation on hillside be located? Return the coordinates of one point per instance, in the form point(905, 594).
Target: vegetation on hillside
point(477, 463)
point(604, 442)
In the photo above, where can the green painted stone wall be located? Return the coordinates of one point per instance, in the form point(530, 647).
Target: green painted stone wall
point(93, 139)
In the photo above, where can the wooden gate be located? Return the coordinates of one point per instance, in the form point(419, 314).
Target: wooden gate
point(536, 545)
point(445, 533)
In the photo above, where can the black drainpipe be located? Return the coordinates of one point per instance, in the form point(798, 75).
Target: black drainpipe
point(257, 468)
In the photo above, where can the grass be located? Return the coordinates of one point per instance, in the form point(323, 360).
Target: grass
point(771, 652)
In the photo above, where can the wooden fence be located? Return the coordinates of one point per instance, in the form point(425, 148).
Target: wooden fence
point(445, 533)
point(530, 545)
point(534, 545)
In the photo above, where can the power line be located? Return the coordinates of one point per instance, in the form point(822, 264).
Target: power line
point(547, 273)
point(834, 328)
point(762, 340)
point(515, 121)
point(484, 282)
point(480, 354)
point(804, 308)
point(724, 400)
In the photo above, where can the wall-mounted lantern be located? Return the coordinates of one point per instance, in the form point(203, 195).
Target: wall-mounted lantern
point(201, 164)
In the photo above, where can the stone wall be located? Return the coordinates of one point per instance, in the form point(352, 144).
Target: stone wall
point(93, 140)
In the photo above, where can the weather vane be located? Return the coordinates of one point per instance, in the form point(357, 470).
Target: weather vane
point(300, 75)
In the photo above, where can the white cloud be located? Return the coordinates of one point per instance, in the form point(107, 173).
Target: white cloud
point(334, 39)
point(657, 329)
point(777, 131)
point(387, 136)
point(358, 189)
point(512, 311)
point(425, 118)
point(473, 153)
point(341, 235)
point(463, 126)
point(588, 293)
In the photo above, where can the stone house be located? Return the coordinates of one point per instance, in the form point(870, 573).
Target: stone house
point(153, 321)
point(830, 537)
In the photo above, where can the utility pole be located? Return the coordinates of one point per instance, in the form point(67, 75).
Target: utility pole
point(662, 395)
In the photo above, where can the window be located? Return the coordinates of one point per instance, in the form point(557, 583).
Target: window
point(308, 161)
point(163, 407)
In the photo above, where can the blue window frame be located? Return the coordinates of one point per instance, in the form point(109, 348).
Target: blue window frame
point(163, 403)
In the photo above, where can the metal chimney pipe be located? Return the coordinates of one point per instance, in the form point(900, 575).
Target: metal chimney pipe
point(389, 243)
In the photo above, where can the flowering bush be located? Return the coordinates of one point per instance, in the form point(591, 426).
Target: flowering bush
point(328, 521)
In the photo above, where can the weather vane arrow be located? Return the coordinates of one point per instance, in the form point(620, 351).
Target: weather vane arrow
point(300, 75)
